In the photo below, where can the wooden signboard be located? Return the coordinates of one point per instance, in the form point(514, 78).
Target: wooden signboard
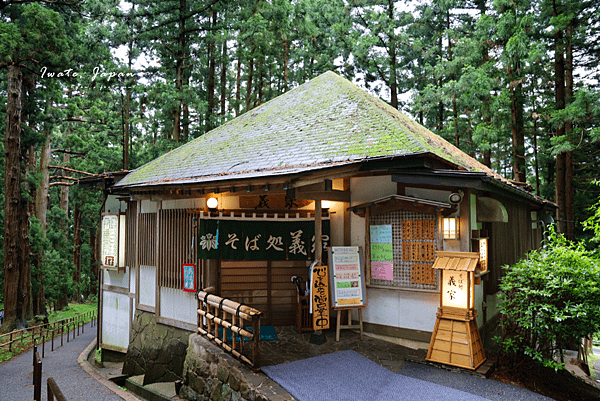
point(347, 277)
point(319, 297)
point(113, 241)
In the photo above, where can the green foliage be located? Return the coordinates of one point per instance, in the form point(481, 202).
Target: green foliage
point(593, 222)
point(550, 301)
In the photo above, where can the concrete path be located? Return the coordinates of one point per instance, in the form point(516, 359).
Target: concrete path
point(76, 383)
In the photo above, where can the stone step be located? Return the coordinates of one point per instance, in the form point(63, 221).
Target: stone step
point(153, 391)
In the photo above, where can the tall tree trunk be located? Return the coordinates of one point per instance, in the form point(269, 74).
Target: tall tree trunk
point(249, 83)
point(77, 250)
point(126, 124)
point(238, 81)
point(13, 300)
point(286, 57)
point(393, 62)
point(561, 158)
point(210, 90)
point(94, 264)
point(518, 136)
point(41, 209)
point(223, 77)
point(27, 202)
point(569, 190)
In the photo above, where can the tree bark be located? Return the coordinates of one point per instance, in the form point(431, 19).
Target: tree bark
point(210, 90)
point(238, 81)
point(393, 62)
point(77, 250)
point(13, 293)
point(249, 83)
point(223, 77)
point(94, 264)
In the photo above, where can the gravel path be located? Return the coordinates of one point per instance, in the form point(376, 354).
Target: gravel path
point(16, 375)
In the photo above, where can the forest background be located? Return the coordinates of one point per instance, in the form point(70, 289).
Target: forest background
point(94, 86)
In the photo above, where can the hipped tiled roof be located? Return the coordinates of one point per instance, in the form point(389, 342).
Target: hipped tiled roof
point(325, 122)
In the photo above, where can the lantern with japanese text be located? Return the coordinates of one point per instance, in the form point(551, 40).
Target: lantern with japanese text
point(456, 340)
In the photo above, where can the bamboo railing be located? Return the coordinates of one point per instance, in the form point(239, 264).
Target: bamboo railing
point(216, 313)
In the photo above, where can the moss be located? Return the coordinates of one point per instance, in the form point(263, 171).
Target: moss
point(326, 118)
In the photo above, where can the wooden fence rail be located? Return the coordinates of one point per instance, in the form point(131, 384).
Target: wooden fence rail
point(52, 388)
point(220, 317)
point(43, 332)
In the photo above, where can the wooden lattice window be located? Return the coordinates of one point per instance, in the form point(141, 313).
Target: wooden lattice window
point(130, 248)
point(414, 243)
point(177, 239)
point(146, 246)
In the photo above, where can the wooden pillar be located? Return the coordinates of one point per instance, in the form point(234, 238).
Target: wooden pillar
point(318, 230)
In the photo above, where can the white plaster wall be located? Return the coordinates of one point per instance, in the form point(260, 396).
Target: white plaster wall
point(147, 285)
point(194, 203)
point(398, 308)
point(132, 278)
point(430, 194)
point(178, 305)
point(336, 218)
point(148, 206)
point(413, 310)
point(115, 319)
point(116, 278)
point(113, 205)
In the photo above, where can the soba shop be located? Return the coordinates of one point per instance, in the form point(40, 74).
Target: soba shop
point(247, 208)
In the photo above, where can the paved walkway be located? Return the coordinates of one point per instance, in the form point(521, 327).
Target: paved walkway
point(76, 383)
point(79, 381)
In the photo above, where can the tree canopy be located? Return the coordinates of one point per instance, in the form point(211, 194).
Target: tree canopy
point(96, 86)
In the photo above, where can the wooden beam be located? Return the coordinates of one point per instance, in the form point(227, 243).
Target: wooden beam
point(333, 195)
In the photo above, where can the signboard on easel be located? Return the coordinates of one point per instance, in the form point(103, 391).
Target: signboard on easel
point(347, 277)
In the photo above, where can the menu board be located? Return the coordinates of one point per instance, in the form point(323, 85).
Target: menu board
point(347, 277)
point(382, 254)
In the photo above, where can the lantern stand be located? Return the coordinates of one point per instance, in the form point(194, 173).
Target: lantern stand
point(456, 340)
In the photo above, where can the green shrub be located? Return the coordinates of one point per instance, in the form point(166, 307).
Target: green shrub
point(550, 301)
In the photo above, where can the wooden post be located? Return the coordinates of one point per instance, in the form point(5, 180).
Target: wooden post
point(318, 231)
point(256, 342)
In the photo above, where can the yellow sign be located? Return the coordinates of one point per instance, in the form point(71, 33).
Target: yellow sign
point(320, 298)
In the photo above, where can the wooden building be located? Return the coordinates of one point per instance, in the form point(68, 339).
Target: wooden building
point(270, 171)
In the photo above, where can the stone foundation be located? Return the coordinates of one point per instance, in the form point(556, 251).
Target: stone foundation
point(210, 373)
point(156, 351)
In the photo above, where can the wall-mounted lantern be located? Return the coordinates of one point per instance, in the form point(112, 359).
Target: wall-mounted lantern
point(451, 228)
point(212, 203)
point(456, 340)
point(325, 204)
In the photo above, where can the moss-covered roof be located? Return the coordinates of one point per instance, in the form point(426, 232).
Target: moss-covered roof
point(327, 121)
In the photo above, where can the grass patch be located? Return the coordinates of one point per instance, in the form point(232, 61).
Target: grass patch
point(72, 310)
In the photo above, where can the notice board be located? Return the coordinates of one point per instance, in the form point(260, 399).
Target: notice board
point(382, 253)
point(347, 277)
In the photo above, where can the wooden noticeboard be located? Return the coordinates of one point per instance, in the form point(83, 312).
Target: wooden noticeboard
point(347, 277)
point(112, 247)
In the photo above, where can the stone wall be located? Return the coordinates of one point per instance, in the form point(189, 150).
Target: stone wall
point(156, 351)
point(210, 373)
